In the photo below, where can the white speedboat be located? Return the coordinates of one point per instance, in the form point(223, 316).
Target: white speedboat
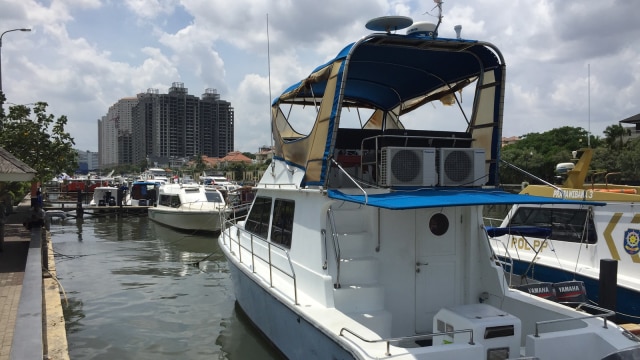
point(366, 240)
point(189, 207)
point(559, 243)
point(104, 196)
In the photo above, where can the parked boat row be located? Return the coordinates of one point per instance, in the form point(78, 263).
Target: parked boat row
point(366, 238)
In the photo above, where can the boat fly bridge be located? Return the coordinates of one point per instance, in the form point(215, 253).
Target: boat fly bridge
point(366, 239)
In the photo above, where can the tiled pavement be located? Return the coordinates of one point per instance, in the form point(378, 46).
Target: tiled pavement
point(13, 259)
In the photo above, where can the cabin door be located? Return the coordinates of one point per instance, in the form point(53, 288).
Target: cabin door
point(438, 277)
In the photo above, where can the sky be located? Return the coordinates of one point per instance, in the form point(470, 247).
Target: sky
point(569, 62)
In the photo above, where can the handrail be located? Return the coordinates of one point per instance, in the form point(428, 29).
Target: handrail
point(605, 314)
point(292, 276)
point(507, 255)
point(421, 336)
point(352, 180)
point(336, 245)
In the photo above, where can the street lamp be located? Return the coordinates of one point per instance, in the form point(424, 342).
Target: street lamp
point(1, 51)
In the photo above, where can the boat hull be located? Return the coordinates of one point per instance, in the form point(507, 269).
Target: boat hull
point(286, 329)
point(186, 220)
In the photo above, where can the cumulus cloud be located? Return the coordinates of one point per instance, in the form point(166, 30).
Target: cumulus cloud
point(566, 61)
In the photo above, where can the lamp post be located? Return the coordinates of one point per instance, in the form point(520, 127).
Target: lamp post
point(1, 51)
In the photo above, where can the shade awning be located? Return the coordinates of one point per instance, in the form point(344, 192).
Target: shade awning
point(13, 169)
point(429, 198)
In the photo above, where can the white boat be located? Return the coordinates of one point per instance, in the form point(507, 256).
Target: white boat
point(156, 175)
point(143, 193)
point(368, 242)
point(559, 243)
point(104, 196)
point(189, 207)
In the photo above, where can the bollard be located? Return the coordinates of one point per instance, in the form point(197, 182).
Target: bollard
point(608, 284)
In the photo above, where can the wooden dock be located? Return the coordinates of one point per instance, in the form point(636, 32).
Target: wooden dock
point(81, 209)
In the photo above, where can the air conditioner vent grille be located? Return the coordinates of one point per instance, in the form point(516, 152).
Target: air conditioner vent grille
point(406, 165)
point(457, 166)
point(462, 167)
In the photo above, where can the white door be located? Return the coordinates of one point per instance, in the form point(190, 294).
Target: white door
point(438, 271)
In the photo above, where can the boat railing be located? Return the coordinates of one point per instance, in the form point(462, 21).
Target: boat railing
point(604, 313)
point(226, 234)
point(336, 245)
point(388, 341)
point(534, 177)
point(352, 180)
point(507, 255)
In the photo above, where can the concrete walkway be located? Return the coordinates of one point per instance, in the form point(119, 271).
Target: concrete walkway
point(31, 320)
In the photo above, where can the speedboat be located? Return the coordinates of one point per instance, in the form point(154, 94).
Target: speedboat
point(189, 207)
point(366, 239)
point(143, 193)
point(556, 244)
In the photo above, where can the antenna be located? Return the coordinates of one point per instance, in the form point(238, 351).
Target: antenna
point(439, 6)
point(269, 76)
point(589, 105)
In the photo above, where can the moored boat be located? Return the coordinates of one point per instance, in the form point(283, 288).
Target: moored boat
point(189, 207)
point(578, 237)
point(366, 239)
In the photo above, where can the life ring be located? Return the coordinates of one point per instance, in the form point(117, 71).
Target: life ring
point(620, 191)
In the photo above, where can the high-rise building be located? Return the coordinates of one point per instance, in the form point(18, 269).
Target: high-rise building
point(216, 133)
point(114, 134)
point(166, 126)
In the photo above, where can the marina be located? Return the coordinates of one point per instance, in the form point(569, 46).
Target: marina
point(367, 236)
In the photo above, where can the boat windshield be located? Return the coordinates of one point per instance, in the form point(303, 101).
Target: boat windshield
point(570, 224)
point(214, 197)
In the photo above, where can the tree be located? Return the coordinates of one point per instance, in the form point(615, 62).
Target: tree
point(614, 136)
point(42, 142)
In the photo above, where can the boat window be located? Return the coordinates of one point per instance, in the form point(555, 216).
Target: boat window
point(169, 200)
point(213, 196)
point(258, 218)
point(439, 224)
point(282, 226)
point(572, 225)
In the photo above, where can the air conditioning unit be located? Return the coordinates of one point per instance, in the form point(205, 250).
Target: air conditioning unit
point(462, 167)
point(406, 166)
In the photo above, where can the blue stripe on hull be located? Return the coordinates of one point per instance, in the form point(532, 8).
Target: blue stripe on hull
point(291, 334)
point(627, 301)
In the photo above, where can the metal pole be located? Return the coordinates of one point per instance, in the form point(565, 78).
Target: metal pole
point(1, 35)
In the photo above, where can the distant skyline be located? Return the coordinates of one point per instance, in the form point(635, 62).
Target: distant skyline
point(82, 56)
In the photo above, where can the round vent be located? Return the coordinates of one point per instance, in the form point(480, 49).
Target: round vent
point(457, 165)
point(405, 165)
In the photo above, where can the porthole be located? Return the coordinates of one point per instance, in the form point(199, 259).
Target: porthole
point(439, 224)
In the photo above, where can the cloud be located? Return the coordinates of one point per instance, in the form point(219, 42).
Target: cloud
point(569, 63)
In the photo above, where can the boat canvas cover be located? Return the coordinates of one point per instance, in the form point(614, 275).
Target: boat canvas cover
point(394, 74)
point(430, 198)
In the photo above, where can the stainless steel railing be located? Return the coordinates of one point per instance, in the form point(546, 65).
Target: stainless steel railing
point(404, 338)
point(228, 239)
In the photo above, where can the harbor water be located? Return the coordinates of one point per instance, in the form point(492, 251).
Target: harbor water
point(137, 290)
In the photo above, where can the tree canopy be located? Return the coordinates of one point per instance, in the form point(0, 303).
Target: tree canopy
point(38, 139)
point(539, 153)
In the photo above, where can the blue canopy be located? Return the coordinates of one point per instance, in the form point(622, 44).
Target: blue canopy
point(430, 198)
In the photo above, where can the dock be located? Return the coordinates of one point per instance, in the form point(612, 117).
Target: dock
point(32, 324)
point(77, 204)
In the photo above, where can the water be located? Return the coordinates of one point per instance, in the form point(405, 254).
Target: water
point(138, 290)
